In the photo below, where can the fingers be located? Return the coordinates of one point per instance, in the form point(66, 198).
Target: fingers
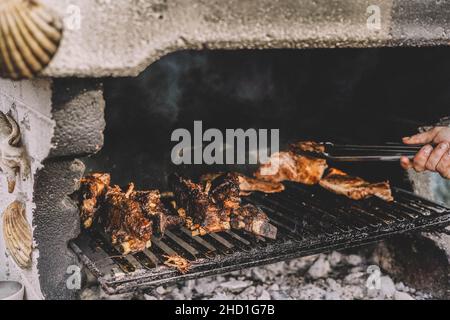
point(436, 155)
point(443, 166)
point(405, 163)
point(421, 158)
point(422, 138)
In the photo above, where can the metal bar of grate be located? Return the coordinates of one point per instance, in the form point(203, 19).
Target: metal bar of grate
point(309, 220)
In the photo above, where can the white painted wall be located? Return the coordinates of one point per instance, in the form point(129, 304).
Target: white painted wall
point(30, 103)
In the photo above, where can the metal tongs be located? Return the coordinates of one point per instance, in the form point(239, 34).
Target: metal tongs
point(359, 152)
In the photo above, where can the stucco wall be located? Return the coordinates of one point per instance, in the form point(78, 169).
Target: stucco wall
point(30, 104)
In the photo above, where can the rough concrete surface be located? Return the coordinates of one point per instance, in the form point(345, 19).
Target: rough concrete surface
point(56, 220)
point(78, 111)
point(122, 37)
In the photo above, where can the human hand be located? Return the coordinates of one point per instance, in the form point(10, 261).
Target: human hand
point(434, 155)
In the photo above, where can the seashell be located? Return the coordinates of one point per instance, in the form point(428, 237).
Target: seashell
point(29, 38)
point(13, 158)
point(17, 234)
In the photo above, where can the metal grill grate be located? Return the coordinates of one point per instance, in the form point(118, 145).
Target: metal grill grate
point(309, 219)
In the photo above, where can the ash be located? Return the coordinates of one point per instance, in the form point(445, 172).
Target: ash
point(334, 276)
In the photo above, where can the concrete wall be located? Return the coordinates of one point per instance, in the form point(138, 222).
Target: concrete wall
point(123, 37)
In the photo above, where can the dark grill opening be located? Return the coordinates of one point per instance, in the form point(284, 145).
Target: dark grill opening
point(348, 95)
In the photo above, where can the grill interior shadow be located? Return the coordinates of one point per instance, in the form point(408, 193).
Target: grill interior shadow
point(348, 95)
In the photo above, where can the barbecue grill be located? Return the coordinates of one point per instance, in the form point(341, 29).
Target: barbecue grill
point(127, 73)
point(309, 221)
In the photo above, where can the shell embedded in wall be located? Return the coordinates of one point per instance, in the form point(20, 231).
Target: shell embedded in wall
point(13, 157)
point(30, 35)
point(17, 234)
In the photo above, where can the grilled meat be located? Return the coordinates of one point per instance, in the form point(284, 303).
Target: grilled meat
point(215, 205)
point(354, 187)
point(204, 212)
point(92, 191)
point(225, 191)
point(130, 218)
point(125, 221)
point(253, 219)
point(248, 185)
point(287, 166)
point(155, 209)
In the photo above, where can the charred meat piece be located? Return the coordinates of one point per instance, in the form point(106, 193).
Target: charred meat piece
point(354, 187)
point(224, 191)
point(205, 209)
point(254, 220)
point(215, 203)
point(247, 217)
point(126, 222)
point(153, 207)
point(93, 189)
point(248, 185)
point(287, 166)
point(129, 218)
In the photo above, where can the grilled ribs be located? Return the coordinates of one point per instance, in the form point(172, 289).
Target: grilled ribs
point(254, 220)
point(125, 221)
point(129, 218)
point(287, 166)
point(354, 187)
point(206, 208)
point(215, 205)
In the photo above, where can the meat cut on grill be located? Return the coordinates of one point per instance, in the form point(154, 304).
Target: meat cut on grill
point(125, 221)
point(215, 205)
point(128, 218)
point(355, 188)
point(254, 220)
point(92, 189)
point(204, 213)
point(288, 166)
point(248, 185)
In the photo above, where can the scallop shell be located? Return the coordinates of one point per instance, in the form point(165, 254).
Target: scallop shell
point(29, 38)
point(17, 234)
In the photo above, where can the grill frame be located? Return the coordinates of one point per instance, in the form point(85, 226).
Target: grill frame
point(325, 222)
